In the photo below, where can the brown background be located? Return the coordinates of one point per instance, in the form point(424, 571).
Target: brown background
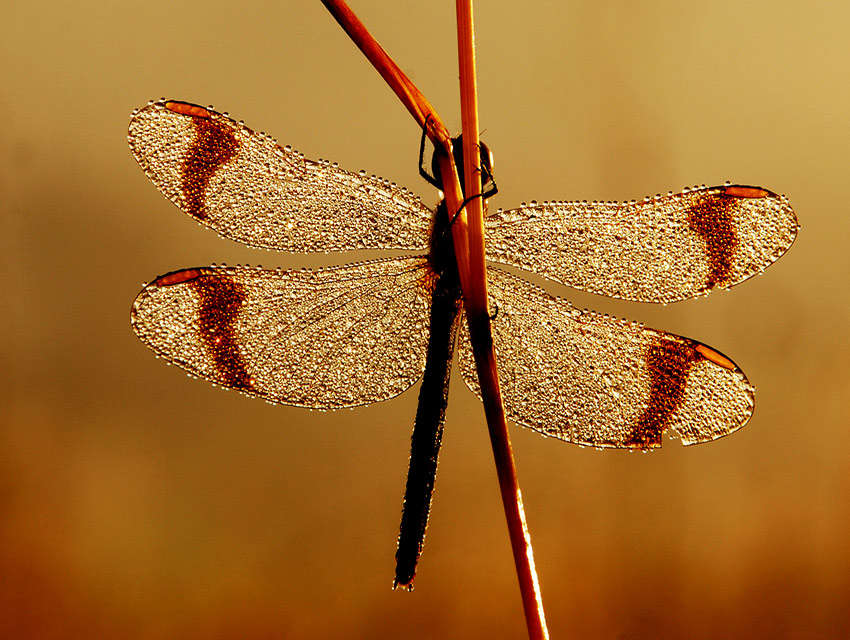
point(137, 503)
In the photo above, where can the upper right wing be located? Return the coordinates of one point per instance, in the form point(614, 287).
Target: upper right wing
point(661, 249)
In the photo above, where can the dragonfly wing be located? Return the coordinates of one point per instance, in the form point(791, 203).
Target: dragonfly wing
point(323, 339)
point(248, 188)
point(661, 249)
point(593, 380)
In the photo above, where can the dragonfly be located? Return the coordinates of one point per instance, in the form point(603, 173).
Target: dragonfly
point(350, 335)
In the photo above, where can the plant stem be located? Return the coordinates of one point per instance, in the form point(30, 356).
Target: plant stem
point(422, 112)
point(481, 337)
point(469, 250)
point(403, 87)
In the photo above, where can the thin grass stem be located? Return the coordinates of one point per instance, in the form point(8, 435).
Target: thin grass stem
point(482, 341)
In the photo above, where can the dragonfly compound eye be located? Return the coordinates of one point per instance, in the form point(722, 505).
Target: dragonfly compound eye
point(486, 161)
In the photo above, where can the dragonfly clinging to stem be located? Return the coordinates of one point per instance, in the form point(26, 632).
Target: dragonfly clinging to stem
point(367, 331)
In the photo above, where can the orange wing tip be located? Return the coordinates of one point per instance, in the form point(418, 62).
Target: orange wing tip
point(715, 356)
point(177, 277)
point(186, 109)
point(740, 191)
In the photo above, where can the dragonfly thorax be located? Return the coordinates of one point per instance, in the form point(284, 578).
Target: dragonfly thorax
point(442, 254)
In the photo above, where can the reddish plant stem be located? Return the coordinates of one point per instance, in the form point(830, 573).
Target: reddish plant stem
point(469, 249)
point(410, 96)
point(482, 340)
point(422, 112)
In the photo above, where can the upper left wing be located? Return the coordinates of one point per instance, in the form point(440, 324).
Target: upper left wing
point(248, 188)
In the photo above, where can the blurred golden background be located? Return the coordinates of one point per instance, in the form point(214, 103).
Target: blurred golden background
point(138, 503)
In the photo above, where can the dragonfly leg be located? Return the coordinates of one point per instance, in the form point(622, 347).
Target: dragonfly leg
point(495, 313)
point(488, 177)
point(423, 171)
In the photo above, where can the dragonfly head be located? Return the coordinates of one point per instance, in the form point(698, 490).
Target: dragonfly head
point(457, 150)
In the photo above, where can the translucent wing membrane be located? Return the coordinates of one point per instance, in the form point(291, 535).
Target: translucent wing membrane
point(323, 339)
point(250, 189)
point(357, 334)
point(661, 249)
point(598, 381)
